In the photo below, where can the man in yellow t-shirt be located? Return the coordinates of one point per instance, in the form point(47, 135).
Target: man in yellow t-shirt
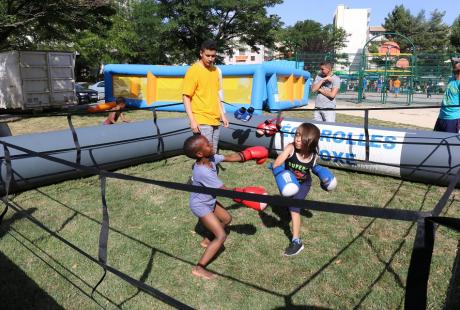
point(201, 95)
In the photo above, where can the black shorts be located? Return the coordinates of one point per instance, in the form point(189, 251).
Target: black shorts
point(447, 125)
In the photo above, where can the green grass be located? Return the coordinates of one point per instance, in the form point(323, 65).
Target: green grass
point(348, 261)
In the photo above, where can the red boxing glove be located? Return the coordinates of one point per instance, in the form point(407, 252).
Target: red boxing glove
point(260, 153)
point(269, 127)
point(261, 128)
point(259, 206)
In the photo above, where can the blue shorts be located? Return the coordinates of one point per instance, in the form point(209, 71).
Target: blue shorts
point(447, 125)
point(302, 193)
point(202, 210)
point(396, 90)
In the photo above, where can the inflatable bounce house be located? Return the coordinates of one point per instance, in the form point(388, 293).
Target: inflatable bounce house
point(272, 86)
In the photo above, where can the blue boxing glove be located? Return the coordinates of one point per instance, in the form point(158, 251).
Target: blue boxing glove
point(248, 114)
point(327, 179)
point(286, 181)
point(240, 112)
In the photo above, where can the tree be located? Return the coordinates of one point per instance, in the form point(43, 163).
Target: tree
point(187, 23)
point(427, 35)
point(401, 20)
point(311, 36)
point(116, 46)
point(151, 47)
point(455, 35)
point(436, 35)
point(27, 24)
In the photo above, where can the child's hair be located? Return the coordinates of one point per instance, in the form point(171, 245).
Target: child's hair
point(120, 100)
point(310, 138)
point(192, 145)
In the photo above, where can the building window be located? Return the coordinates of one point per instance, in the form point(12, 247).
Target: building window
point(253, 58)
point(242, 51)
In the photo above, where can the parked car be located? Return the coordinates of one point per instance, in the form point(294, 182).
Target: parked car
point(99, 87)
point(83, 84)
point(85, 95)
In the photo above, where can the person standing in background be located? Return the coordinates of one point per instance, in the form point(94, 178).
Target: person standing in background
point(379, 84)
point(429, 90)
point(327, 85)
point(449, 114)
point(396, 86)
point(364, 87)
point(201, 95)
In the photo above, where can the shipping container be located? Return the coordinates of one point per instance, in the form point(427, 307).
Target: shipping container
point(37, 80)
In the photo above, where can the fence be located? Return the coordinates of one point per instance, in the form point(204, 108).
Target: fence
point(370, 78)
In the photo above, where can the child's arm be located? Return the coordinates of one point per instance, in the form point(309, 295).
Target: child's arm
point(284, 155)
point(111, 118)
point(234, 157)
point(123, 117)
point(258, 153)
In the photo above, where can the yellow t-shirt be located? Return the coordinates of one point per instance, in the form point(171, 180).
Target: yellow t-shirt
point(397, 84)
point(202, 85)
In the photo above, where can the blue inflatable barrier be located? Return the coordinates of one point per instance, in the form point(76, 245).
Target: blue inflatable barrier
point(273, 85)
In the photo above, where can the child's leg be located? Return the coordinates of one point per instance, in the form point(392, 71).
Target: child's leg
point(212, 223)
point(224, 217)
point(222, 214)
point(296, 246)
point(295, 212)
point(296, 222)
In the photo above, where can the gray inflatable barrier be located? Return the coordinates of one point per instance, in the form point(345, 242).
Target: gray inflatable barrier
point(416, 155)
point(422, 156)
point(108, 147)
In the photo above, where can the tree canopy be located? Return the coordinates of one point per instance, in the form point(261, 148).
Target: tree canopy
point(428, 35)
point(455, 35)
point(171, 31)
point(32, 24)
point(187, 23)
point(311, 36)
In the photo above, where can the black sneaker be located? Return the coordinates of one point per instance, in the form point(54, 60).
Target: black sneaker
point(294, 248)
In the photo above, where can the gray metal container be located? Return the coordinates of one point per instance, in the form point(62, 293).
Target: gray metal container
point(37, 79)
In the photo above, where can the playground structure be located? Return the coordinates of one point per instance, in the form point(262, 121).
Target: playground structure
point(271, 86)
point(387, 66)
point(423, 76)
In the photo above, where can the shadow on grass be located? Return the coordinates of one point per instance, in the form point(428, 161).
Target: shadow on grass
point(283, 220)
point(386, 263)
point(143, 278)
point(283, 223)
point(254, 286)
point(299, 307)
point(242, 229)
point(17, 290)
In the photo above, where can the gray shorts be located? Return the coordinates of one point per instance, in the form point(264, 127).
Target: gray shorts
point(212, 134)
point(202, 209)
point(324, 116)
